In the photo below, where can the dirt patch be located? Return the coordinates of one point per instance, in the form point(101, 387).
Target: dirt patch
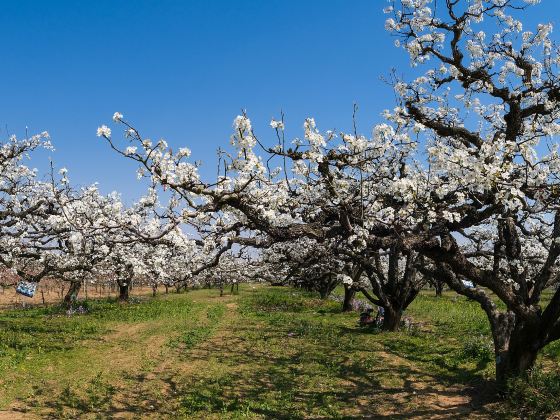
point(421, 396)
point(16, 415)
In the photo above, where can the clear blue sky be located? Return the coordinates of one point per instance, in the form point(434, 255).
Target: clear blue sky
point(182, 70)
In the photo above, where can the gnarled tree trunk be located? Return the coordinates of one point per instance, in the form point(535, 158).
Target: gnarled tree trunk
point(72, 294)
point(517, 361)
point(516, 345)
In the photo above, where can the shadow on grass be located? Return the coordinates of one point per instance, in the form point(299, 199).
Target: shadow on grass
point(284, 365)
point(97, 397)
point(324, 382)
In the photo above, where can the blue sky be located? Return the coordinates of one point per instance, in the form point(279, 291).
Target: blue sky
point(182, 70)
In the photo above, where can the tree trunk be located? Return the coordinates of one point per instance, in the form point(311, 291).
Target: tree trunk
point(516, 352)
point(512, 363)
point(154, 290)
point(349, 294)
point(439, 288)
point(123, 292)
point(391, 319)
point(72, 294)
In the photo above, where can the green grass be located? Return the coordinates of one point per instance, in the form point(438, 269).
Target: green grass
point(320, 363)
point(43, 347)
point(200, 332)
point(28, 334)
point(269, 352)
point(537, 394)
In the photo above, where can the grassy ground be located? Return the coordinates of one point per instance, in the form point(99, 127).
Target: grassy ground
point(265, 353)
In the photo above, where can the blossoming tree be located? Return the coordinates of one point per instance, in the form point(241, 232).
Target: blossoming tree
point(488, 105)
point(459, 183)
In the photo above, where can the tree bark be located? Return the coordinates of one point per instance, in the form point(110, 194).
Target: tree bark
point(516, 352)
point(391, 319)
point(72, 294)
point(348, 303)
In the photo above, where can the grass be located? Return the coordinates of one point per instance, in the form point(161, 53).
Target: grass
point(537, 394)
point(269, 352)
point(43, 348)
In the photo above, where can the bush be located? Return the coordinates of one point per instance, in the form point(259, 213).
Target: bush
point(478, 348)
